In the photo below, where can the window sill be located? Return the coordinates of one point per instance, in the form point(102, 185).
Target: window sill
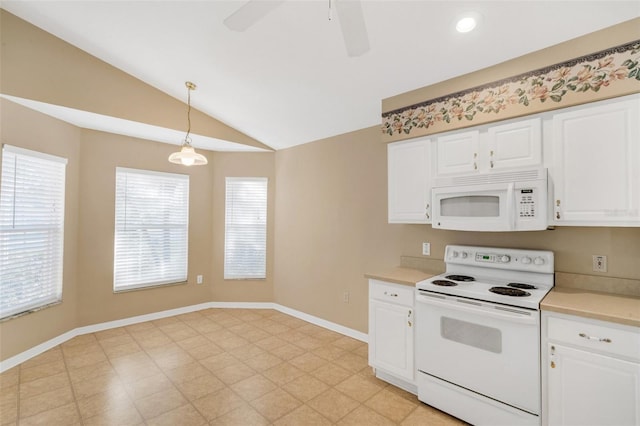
point(30, 311)
point(147, 287)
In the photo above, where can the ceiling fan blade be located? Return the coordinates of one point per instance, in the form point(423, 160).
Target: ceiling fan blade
point(250, 13)
point(354, 30)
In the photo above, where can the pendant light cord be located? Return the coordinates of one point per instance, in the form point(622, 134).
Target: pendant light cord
point(186, 138)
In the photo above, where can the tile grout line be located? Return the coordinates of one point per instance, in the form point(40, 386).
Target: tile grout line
point(73, 391)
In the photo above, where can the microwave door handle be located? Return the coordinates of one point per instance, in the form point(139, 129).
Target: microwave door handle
point(511, 206)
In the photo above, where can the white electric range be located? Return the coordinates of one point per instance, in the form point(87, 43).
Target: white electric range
point(478, 334)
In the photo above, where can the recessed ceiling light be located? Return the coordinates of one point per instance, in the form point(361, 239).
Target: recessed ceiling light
point(467, 22)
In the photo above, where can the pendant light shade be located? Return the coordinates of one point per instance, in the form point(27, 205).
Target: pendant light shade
point(187, 156)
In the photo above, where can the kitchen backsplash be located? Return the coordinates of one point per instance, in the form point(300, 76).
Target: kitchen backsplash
point(622, 286)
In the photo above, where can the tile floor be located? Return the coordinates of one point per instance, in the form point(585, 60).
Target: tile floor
point(217, 367)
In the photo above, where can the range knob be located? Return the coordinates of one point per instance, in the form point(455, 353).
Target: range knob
point(464, 254)
point(505, 259)
point(525, 260)
point(454, 254)
point(538, 261)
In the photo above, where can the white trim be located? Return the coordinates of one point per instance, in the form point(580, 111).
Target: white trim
point(145, 172)
point(358, 335)
point(397, 382)
point(36, 154)
point(50, 344)
point(36, 350)
point(244, 305)
point(140, 318)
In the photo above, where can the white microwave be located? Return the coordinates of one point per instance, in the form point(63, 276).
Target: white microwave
point(501, 201)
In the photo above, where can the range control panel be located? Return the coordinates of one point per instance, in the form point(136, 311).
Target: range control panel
point(501, 258)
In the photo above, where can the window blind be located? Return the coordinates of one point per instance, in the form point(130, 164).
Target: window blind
point(151, 228)
point(245, 243)
point(31, 229)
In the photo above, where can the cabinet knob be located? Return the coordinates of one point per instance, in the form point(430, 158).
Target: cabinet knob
point(475, 166)
point(491, 162)
point(409, 322)
point(553, 364)
point(558, 215)
point(558, 203)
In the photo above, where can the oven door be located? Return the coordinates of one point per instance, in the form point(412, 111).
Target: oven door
point(490, 349)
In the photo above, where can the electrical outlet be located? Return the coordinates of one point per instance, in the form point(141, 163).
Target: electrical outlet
point(599, 263)
point(199, 279)
point(345, 297)
point(426, 249)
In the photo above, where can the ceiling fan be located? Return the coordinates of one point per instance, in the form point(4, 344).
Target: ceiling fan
point(354, 30)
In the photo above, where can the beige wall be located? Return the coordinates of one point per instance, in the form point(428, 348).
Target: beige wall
point(27, 129)
point(101, 153)
point(331, 229)
point(38, 66)
point(331, 225)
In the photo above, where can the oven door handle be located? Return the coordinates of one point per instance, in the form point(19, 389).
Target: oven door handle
point(498, 312)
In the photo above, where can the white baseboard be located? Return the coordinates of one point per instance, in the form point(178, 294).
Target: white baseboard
point(399, 383)
point(36, 350)
point(94, 328)
point(45, 346)
point(358, 335)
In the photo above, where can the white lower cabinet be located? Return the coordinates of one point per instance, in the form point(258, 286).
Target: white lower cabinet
point(592, 372)
point(391, 325)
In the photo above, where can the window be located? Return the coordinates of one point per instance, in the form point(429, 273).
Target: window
point(31, 230)
point(151, 230)
point(245, 242)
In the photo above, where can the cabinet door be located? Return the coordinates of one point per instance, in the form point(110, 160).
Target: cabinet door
point(409, 181)
point(596, 165)
point(590, 389)
point(391, 338)
point(517, 144)
point(457, 153)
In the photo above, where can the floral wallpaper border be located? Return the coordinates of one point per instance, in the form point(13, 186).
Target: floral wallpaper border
point(594, 73)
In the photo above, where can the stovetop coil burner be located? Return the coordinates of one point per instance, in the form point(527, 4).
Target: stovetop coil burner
point(509, 291)
point(464, 278)
point(522, 286)
point(444, 283)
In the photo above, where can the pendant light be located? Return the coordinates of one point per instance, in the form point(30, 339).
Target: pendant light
point(188, 156)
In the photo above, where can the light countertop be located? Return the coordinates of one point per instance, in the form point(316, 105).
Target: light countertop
point(621, 309)
point(400, 275)
point(601, 306)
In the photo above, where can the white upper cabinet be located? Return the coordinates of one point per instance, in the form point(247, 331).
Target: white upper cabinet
point(516, 144)
point(409, 181)
point(596, 164)
point(457, 153)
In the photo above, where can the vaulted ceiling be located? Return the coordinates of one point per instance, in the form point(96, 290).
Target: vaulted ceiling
point(287, 79)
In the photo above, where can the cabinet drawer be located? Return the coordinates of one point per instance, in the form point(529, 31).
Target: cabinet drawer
point(392, 293)
point(602, 338)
